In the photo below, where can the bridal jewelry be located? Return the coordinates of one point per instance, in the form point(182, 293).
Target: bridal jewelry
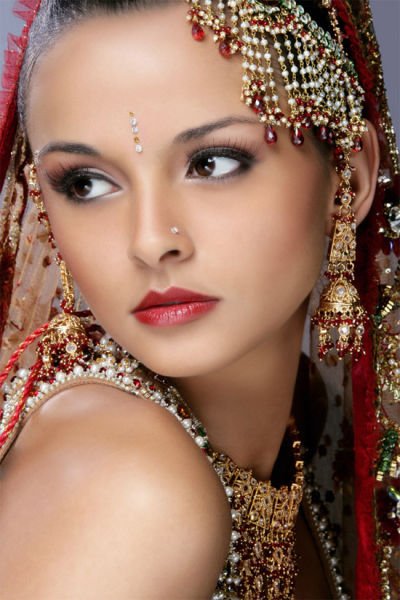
point(263, 562)
point(135, 130)
point(279, 41)
point(340, 318)
point(65, 338)
point(174, 231)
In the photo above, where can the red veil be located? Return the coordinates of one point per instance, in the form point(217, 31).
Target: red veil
point(375, 377)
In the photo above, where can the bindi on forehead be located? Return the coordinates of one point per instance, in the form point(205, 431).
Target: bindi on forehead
point(135, 130)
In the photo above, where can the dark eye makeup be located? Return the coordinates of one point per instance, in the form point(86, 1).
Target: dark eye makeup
point(205, 163)
point(80, 184)
point(210, 164)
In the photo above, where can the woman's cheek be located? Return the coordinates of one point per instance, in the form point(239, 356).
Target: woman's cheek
point(89, 245)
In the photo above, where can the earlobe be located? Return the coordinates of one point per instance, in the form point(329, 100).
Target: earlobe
point(365, 174)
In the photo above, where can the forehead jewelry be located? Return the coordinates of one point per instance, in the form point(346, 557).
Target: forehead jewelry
point(280, 42)
point(135, 130)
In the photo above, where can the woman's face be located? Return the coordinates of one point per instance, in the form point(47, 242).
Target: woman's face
point(251, 217)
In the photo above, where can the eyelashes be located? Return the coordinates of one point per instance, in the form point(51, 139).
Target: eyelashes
point(217, 162)
point(80, 184)
point(214, 163)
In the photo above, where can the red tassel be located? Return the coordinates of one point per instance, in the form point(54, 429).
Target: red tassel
point(21, 404)
point(31, 338)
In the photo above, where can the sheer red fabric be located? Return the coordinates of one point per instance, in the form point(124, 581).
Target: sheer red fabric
point(13, 58)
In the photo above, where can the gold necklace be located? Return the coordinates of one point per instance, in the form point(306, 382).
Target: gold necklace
point(262, 562)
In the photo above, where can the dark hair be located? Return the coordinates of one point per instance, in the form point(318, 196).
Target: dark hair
point(54, 17)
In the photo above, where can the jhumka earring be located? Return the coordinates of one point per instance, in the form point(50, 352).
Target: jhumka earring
point(65, 340)
point(340, 317)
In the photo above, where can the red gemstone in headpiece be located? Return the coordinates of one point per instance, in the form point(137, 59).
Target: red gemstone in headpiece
point(322, 133)
point(358, 144)
point(270, 135)
point(258, 104)
point(198, 32)
point(225, 49)
point(331, 138)
point(297, 137)
point(338, 153)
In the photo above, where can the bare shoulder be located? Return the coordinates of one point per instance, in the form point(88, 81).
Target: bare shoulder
point(115, 499)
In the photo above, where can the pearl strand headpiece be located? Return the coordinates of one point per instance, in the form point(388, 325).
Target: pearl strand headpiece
point(280, 42)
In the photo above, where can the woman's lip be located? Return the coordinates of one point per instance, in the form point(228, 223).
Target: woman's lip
point(171, 296)
point(174, 314)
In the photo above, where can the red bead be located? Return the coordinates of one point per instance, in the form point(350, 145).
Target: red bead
point(297, 137)
point(358, 144)
point(225, 49)
point(270, 135)
point(331, 138)
point(198, 32)
point(257, 104)
point(338, 154)
point(322, 133)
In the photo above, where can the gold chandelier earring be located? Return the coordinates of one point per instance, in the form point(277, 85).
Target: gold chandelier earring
point(65, 341)
point(340, 317)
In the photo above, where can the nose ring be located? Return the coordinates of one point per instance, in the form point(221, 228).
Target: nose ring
point(174, 230)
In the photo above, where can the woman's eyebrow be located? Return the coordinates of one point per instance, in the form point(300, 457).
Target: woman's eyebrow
point(181, 138)
point(197, 132)
point(70, 148)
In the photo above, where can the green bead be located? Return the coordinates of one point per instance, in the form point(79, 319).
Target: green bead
point(394, 494)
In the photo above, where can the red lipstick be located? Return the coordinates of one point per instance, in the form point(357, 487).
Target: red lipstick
point(175, 306)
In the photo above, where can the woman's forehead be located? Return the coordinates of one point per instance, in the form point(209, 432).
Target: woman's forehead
point(146, 62)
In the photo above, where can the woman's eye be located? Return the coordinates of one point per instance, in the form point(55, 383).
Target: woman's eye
point(81, 186)
point(210, 165)
point(87, 187)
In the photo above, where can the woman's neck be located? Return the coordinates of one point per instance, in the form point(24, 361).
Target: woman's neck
point(246, 406)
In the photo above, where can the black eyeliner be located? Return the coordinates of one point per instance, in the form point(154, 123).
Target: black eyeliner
point(64, 177)
point(237, 151)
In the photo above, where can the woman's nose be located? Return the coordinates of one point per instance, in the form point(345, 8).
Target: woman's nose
point(158, 236)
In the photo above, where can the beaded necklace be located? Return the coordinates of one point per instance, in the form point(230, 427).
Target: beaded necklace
point(262, 562)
